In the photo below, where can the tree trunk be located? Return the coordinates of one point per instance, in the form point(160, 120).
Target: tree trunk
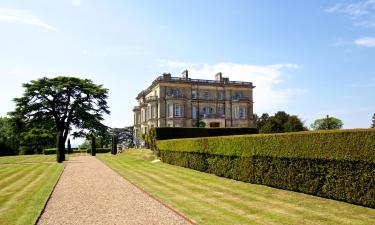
point(93, 146)
point(60, 151)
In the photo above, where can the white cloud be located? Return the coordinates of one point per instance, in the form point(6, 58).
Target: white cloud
point(23, 17)
point(358, 8)
point(267, 95)
point(366, 42)
point(76, 2)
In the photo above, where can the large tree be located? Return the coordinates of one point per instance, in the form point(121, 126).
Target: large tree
point(279, 123)
point(327, 123)
point(69, 101)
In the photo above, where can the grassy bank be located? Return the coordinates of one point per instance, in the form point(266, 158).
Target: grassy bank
point(209, 199)
point(25, 184)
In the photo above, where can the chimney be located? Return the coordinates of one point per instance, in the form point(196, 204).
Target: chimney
point(219, 77)
point(166, 76)
point(185, 74)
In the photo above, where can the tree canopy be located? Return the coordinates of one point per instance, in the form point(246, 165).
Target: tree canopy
point(327, 123)
point(68, 101)
point(373, 121)
point(279, 123)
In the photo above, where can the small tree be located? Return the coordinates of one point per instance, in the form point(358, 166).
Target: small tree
point(327, 123)
point(69, 146)
point(93, 145)
point(114, 145)
point(373, 121)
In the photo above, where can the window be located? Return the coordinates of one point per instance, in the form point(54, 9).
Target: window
point(220, 95)
point(154, 112)
point(238, 95)
point(242, 112)
point(220, 110)
point(206, 95)
point(207, 110)
point(194, 112)
point(193, 94)
point(177, 110)
point(170, 110)
point(236, 112)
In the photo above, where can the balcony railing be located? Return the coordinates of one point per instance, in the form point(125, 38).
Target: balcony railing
point(151, 98)
point(162, 78)
point(179, 96)
point(212, 116)
point(240, 98)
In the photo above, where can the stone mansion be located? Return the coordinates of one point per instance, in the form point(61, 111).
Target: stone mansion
point(185, 102)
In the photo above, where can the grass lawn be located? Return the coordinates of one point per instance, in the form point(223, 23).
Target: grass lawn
point(25, 184)
point(209, 199)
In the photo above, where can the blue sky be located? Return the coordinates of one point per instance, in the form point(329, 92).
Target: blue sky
point(308, 58)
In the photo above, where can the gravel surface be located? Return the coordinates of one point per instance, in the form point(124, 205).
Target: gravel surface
point(89, 192)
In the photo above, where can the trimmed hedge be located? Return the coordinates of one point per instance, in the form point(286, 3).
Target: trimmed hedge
point(51, 151)
point(336, 164)
point(164, 133)
point(100, 150)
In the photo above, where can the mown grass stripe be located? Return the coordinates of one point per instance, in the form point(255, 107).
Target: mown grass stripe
point(31, 182)
point(135, 167)
point(227, 207)
point(14, 173)
point(34, 205)
point(21, 178)
point(155, 184)
point(234, 205)
point(244, 195)
point(304, 212)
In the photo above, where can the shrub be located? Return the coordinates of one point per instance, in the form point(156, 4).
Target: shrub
point(333, 164)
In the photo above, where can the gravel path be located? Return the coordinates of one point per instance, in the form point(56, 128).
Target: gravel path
point(89, 192)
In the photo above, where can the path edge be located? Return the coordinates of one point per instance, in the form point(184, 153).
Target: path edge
point(49, 197)
point(152, 196)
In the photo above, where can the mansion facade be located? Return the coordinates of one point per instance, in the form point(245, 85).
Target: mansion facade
point(185, 102)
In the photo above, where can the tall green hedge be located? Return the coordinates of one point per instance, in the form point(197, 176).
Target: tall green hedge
point(333, 164)
point(100, 150)
point(164, 133)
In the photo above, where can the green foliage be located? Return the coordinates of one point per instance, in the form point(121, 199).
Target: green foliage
point(201, 124)
point(279, 123)
point(21, 136)
point(334, 164)
point(9, 140)
point(327, 123)
point(67, 101)
point(373, 121)
point(123, 135)
point(164, 133)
